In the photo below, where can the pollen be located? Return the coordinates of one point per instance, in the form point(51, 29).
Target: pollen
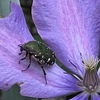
point(91, 79)
point(90, 63)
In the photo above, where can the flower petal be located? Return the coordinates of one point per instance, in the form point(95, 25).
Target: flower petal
point(54, 88)
point(32, 81)
point(95, 96)
point(81, 96)
point(69, 27)
point(15, 23)
point(98, 72)
point(13, 31)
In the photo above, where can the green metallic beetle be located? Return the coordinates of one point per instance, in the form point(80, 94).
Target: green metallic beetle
point(40, 52)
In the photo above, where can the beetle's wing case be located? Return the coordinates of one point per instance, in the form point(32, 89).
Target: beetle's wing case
point(32, 47)
point(47, 54)
point(40, 52)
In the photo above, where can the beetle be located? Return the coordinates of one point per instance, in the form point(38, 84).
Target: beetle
point(40, 52)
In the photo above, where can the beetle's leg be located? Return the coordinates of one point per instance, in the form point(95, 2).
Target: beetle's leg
point(43, 72)
point(29, 63)
point(23, 57)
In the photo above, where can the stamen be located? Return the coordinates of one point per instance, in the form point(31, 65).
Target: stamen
point(90, 63)
point(91, 78)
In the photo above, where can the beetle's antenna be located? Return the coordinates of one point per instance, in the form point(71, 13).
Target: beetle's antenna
point(20, 45)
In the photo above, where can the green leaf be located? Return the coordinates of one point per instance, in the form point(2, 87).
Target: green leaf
point(14, 94)
point(5, 7)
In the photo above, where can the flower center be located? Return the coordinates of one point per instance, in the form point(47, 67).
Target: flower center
point(91, 78)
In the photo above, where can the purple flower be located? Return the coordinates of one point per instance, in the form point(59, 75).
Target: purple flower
point(71, 28)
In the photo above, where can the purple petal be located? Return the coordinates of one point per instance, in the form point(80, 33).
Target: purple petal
point(82, 96)
point(98, 72)
point(54, 88)
point(15, 23)
point(95, 96)
point(69, 27)
point(13, 31)
point(32, 81)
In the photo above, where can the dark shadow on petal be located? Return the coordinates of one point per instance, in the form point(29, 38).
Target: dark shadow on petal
point(89, 97)
point(99, 93)
point(72, 95)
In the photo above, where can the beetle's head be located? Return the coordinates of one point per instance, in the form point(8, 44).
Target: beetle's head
point(22, 47)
